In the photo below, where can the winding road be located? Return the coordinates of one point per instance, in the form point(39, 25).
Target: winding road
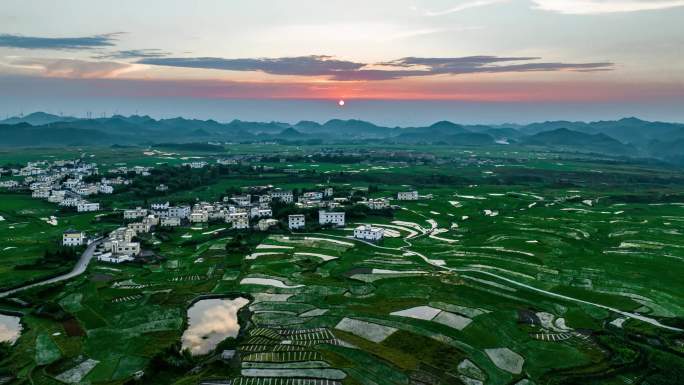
point(80, 267)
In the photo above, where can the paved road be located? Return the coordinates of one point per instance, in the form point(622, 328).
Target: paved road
point(80, 267)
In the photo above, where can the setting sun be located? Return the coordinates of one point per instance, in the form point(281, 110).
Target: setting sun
point(340, 103)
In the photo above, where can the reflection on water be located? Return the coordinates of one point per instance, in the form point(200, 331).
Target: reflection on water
point(210, 322)
point(10, 328)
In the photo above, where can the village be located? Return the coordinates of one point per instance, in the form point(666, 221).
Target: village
point(69, 183)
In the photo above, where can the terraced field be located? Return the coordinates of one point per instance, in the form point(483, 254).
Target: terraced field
point(524, 271)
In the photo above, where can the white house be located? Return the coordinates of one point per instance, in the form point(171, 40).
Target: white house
point(407, 195)
point(70, 202)
point(295, 221)
point(108, 257)
point(328, 192)
point(313, 195)
point(73, 238)
point(87, 206)
point(368, 233)
point(330, 217)
point(242, 200)
point(377, 204)
point(140, 227)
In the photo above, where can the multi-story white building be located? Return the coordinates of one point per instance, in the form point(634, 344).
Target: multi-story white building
point(368, 233)
point(330, 217)
point(86, 190)
point(264, 213)
point(137, 212)
point(84, 206)
point(41, 193)
point(295, 221)
point(73, 238)
point(9, 183)
point(160, 206)
point(125, 248)
point(199, 217)
point(140, 227)
point(407, 195)
point(284, 196)
point(179, 211)
point(240, 220)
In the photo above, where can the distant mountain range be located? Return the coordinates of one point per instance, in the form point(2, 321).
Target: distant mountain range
point(628, 137)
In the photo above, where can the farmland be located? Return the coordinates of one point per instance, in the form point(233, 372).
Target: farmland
point(513, 267)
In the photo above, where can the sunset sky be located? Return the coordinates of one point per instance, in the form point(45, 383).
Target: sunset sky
point(393, 61)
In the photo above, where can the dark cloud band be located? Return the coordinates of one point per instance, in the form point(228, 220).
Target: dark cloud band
point(57, 43)
point(349, 71)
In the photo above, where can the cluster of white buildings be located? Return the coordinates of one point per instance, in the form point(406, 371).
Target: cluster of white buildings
point(119, 246)
point(137, 170)
point(63, 182)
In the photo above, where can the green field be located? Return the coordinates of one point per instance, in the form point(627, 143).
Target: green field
point(557, 268)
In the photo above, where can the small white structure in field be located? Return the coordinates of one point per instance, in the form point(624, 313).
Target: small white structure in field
point(368, 233)
point(334, 218)
point(295, 221)
point(73, 238)
point(87, 207)
point(407, 195)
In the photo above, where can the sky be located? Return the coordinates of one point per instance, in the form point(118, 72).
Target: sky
point(394, 62)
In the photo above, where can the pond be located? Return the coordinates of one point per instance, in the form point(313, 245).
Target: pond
point(210, 321)
point(10, 328)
